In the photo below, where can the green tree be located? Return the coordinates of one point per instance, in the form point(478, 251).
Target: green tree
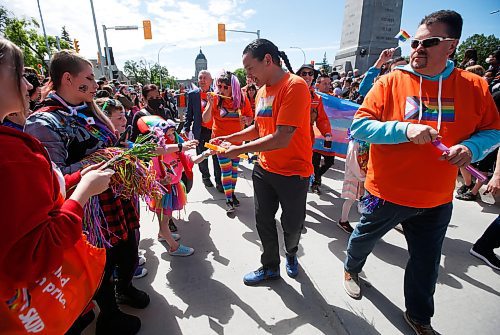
point(484, 46)
point(146, 73)
point(24, 33)
point(242, 76)
point(325, 67)
point(66, 38)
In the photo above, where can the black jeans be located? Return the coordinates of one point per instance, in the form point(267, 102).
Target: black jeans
point(490, 239)
point(270, 191)
point(205, 136)
point(122, 257)
point(320, 170)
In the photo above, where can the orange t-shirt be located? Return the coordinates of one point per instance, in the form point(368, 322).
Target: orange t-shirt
point(182, 99)
point(319, 119)
point(203, 97)
point(287, 103)
point(410, 174)
point(226, 120)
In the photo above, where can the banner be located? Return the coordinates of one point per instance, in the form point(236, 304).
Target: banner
point(340, 113)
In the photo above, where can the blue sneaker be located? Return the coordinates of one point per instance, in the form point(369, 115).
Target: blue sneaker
point(292, 266)
point(182, 251)
point(256, 277)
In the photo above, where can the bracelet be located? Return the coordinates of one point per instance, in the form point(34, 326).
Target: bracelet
point(179, 145)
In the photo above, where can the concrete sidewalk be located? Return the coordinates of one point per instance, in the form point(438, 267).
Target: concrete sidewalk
point(205, 294)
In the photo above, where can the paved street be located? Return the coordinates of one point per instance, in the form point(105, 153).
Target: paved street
point(204, 293)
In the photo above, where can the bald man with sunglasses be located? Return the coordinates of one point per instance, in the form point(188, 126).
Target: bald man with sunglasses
point(409, 181)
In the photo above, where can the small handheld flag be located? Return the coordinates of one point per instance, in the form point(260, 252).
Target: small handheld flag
point(403, 36)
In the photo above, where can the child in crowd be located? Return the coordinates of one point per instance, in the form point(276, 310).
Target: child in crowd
point(169, 168)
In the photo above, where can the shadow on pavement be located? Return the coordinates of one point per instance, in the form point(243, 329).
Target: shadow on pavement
point(191, 280)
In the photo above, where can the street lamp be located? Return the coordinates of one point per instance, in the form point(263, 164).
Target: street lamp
point(159, 66)
point(108, 60)
point(303, 53)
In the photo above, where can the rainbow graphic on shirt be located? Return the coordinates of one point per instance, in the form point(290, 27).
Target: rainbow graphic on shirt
point(234, 114)
point(403, 36)
point(264, 107)
point(430, 109)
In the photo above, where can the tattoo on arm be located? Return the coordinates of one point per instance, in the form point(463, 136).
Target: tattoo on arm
point(286, 129)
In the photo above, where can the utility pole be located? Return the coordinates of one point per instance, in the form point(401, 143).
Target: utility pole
point(99, 54)
point(44, 33)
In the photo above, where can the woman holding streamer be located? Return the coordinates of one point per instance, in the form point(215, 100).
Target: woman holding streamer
point(71, 126)
point(231, 111)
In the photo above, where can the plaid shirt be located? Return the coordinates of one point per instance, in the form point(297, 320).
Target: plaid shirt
point(121, 215)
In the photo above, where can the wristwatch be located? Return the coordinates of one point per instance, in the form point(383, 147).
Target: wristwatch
point(180, 147)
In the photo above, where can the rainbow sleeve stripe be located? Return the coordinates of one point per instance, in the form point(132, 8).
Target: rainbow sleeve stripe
point(340, 113)
point(403, 36)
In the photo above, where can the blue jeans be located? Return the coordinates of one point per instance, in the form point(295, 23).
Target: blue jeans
point(424, 230)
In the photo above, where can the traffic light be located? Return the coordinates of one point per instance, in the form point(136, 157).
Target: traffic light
point(76, 45)
point(147, 29)
point(221, 29)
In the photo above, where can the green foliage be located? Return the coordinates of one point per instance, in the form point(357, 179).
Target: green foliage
point(24, 32)
point(145, 73)
point(242, 76)
point(325, 67)
point(484, 45)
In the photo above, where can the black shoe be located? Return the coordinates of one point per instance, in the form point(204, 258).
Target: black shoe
point(464, 188)
point(219, 188)
point(207, 182)
point(133, 297)
point(315, 189)
point(468, 196)
point(117, 323)
point(229, 207)
point(81, 323)
point(236, 202)
point(488, 257)
point(345, 226)
point(172, 226)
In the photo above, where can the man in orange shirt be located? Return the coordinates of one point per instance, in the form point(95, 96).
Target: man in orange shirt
point(409, 181)
point(281, 135)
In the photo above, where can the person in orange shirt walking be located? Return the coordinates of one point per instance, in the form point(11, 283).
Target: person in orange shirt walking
point(410, 181)
point(230, 110)
point(281, 135)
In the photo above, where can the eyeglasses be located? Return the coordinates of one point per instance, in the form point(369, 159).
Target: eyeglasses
point(429, 42)
point(223, 86)
point(306, 73)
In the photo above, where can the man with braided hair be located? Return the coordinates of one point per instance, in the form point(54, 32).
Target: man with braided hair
point(282, 137)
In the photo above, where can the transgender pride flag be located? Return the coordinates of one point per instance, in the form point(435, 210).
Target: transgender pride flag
point(340, 113)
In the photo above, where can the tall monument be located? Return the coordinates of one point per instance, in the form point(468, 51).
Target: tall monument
point(369, 27)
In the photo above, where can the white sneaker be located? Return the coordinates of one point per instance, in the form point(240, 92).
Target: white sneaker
point(140, 272)
point(142, 260)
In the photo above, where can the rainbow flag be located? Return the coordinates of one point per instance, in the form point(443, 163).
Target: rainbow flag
point(340, 113)
point(403, 36)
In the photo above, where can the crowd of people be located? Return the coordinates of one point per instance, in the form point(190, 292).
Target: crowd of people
point(51, 125)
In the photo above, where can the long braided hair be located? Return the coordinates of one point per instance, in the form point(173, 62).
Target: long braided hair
point(260, 47)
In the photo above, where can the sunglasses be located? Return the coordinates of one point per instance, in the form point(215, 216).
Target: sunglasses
point(223, 86)
point(429, 42)
point(306, 73)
